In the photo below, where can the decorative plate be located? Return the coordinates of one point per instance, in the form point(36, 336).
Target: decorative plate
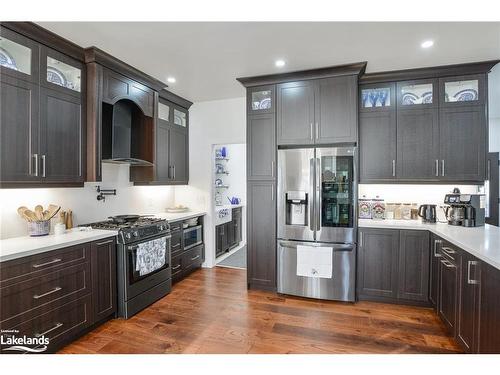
point(409, 98)
point(177, 120)
point(265, 103)
point(427, 97)
point(7, 60)
point(55, 76)
point(466, 95)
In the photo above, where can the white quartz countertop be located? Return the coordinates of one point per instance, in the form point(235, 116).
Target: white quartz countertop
point(171, 217)
point(13, 248)
point(482, 242)
point(230, 206)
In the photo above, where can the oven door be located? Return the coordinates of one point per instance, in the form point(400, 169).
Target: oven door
point(137, 283)
point(193, 236)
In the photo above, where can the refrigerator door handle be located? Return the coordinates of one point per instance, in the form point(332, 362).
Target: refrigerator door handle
point(311, 194)
point(318, 193)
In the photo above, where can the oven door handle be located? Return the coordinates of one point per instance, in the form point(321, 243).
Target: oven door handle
point(131, 248)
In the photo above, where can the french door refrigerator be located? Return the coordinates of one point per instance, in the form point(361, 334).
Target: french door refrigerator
point(317, 195)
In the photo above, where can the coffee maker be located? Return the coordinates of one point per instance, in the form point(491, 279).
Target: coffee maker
point(465, 209)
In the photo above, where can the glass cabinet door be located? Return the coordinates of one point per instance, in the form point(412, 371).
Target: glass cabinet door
point(15, 56)
point(415, 94)
point(62, 74)
point(336, 187)
point(163, 111)
point(462, 90)
point(376, 97)
point(260, 99)
point(180, 118)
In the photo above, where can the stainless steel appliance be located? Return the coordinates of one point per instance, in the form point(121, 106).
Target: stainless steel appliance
point(428, 213)
point(193, 236)
point(467, 210)
point(136, 289)
point(317, 191)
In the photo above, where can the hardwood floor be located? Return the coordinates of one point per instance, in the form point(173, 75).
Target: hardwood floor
point(212, 312)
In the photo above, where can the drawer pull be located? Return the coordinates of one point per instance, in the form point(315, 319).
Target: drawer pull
point(56, 289)
point(176, 267)
point(447, 264)
point(104, 243)
point(58, 325)
point(436, 254)
point(57, 260)
point(196, 257)
point(469, 280)
point(176, 245)
point(448, 250)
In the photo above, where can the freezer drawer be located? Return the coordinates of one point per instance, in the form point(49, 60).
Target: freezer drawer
point(341, 286)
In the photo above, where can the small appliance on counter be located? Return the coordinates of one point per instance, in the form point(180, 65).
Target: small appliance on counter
point(465, 209)
point(428, 213)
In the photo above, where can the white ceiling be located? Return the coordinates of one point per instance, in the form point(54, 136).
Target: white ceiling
point(205, 58)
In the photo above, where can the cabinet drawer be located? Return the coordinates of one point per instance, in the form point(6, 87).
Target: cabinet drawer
point(177, 226)
point(176, 243)
point(68, 283)
point(176, 266)
point(28, 267)
point(58, 325)
point(192, 258)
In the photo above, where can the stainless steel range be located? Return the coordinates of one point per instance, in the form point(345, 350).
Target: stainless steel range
point(143, 260)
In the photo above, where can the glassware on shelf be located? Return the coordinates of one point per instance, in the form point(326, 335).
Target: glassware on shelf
point(63, 74)
point(461, 91)
point(261, 100)
point(377, 97)
point(416, 94)
point(15, 56)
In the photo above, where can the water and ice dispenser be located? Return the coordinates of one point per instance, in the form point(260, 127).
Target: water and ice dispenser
point(296, 207)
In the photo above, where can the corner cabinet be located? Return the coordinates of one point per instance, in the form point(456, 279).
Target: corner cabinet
point(430, 129)
point(43, 132)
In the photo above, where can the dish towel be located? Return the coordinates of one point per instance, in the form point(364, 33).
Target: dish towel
point(314, 261)
point(150, 256)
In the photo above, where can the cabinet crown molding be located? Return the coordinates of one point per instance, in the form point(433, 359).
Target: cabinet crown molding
point(301, 75)
point(429, 72)
point(176, 99)
point(97, 55)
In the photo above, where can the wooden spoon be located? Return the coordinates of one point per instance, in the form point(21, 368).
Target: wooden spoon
point(39, 212)
point(46, 215)
point(31, 215)
point(22, 212)
point(53, 210)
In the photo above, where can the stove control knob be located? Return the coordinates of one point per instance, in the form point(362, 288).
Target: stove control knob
point(161, 227)
point(128, 236)
point(136, 233)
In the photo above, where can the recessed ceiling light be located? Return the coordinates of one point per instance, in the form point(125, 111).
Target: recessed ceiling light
point(171, 80)
point(427, 44)
point(279, 63)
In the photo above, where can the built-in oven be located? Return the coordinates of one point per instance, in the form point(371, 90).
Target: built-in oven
point(143, 275)
point(193, 236)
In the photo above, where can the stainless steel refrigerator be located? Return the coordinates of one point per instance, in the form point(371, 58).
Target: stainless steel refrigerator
point(317, 207)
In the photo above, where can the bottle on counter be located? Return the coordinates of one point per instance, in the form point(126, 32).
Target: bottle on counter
point(389, 211)
point(378, 208)
point(397, 211)
point(414, 211)
point(364, 208)
point(406, 211)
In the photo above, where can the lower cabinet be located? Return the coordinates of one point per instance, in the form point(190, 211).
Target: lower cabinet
point(489, 329)
point(58, 294)
point(448, 289)
point(228, 235)
point(434, 270)
point(393, 265)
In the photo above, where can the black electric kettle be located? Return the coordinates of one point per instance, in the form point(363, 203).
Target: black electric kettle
point(428, 213)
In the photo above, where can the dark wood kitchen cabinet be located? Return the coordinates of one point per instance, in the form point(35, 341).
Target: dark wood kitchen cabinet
point(378, 264)
point(261, 147)
point(449, 283)
point(229, 235)
point(103, 268)
point(42, 133)
point(321, 111)
point(467, 330)
point(261, 230)
point(434, 269)
point(489, 330)
point(413, 271)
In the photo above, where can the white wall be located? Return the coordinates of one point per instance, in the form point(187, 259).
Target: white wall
point(82, 201)
point(210, 123)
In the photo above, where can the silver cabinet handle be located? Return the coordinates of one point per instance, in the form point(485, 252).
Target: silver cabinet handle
point(57, 260)
point(447, 263)
point(58, 325)
point(442, 167)
point(272, 194)
point(196, 257)
point(437, 168)
point(311, 131)
point(317, 130)
point(38, 296)
point(360, 239)
point(469, 264)
point(272, 168)
point(436, 254)
point(393, 168)
point(43, 166)
point(173, 169)
point(103, 243)
point(176, 267)
point(36, 164)
point(448, 250)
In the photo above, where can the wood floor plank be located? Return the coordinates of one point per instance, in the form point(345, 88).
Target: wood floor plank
point(211, 311)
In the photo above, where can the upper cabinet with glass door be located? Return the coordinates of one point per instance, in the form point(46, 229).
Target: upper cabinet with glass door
point(164, 111)
point(377, 97)
point(18, 56)
point(417, 94)
point(180, 117)
point(61, 72)
point(261, 99)
point(462, 90)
